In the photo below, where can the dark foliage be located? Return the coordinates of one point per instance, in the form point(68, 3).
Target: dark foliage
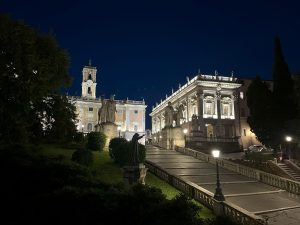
point(114, 144)
point(78, 137)
point(32, 67)
point(40, 190)
point(59, 119)
point(272, 111)
point(83, 157)
point(96, 141)
point(261, 121)
point(123, 153)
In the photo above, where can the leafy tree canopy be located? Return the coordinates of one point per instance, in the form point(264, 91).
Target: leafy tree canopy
point(32, 67)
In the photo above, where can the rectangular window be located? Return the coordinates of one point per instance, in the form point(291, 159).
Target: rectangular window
point(244, 130)
point(91, 109)
point(208, 108)
point(135, 128)
point(226, 109)
point(135, 112)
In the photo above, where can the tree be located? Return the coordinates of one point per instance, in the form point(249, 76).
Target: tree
point(271, 111)
point(32, 66)
point(59, 119)
point(284, 96)
point(259, 100)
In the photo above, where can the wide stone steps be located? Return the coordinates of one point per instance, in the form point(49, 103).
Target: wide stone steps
point(290, 171)
point(275, 205)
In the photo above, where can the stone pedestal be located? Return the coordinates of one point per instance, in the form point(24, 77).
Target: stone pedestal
point(218, 208)
point(178, 137)
point(134, 174)
point(166, 138)
point(172, 136)
point(109, 129)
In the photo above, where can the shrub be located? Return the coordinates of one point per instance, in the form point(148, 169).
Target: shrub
point(114, 144)
point(83, 157)
point(258, 157)
point(96, 141)
point(79, 137)
point(123, 153)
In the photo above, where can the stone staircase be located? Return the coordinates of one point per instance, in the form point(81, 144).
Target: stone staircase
point(290, 171)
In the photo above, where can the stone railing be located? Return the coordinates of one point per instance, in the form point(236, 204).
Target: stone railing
point(214, 139)
point(200, 194)
point(292, 165)
point(267, 178)
point(126, 101)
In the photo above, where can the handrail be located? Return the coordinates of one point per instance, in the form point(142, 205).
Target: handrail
point(267, 178)
point(234, 212)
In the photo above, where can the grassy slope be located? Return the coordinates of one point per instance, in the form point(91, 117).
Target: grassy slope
point(109, 172)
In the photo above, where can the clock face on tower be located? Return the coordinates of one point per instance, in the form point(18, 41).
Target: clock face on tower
point(89, 83)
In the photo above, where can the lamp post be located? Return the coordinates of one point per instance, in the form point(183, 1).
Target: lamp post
point(82, 126)
point(218, 194)
point(289, 139)
point(185, 131)
point(119, 129)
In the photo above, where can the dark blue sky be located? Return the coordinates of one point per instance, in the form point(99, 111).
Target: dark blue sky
point(144, 48)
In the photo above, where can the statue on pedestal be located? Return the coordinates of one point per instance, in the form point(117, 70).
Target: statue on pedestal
point(169, 113)
point(179, 115)
point(102, 112)
point(110, 110)
point(135, 141)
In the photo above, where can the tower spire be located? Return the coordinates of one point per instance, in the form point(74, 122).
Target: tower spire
point(90, 62)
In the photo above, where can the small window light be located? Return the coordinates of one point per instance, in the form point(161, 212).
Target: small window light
point(241, 95)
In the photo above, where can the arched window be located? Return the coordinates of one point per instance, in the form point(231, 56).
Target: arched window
point(89, 90)
point(90, 127)
point(90, 77)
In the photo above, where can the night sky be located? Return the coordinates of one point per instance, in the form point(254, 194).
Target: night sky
point(144, 48)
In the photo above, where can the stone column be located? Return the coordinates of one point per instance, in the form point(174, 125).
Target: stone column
point(127, 119)
point(200, 112)
point(236, 114)
point(200, 103)
point(218, 126)
point(218, 99)
point(187, 108)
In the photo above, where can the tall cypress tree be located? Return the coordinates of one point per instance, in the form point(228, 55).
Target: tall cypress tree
point(273, 112)
point(284, 97)
point(259, 100)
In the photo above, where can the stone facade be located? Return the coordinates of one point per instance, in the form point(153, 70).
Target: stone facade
point(210, 114)
point(129, 115)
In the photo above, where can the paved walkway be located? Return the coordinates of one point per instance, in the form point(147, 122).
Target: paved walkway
point(277, 206)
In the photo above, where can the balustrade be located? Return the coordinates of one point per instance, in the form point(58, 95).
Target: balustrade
point(236, 213)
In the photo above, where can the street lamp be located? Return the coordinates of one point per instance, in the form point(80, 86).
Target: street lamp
point(82, 126)
point(218, 194)
point(119, 129)
point(289, 139)
point(185, 131)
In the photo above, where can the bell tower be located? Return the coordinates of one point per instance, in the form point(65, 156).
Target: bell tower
point(89, 81)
